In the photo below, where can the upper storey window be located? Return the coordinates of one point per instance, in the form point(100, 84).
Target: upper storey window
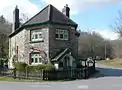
point(62, 34)
point(36, 35)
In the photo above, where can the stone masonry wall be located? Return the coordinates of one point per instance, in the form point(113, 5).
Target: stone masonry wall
point(56, 45)
point(50, 45)
point(22, 40)
point(44, 45)
point(17, 41)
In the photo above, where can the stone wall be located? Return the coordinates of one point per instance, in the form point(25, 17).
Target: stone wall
point(44, 45)
point(15, 42)
point(50, 45)
point(22, 41)
point(56, 45)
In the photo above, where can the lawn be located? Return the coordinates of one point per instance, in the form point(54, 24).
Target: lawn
point(113, 62)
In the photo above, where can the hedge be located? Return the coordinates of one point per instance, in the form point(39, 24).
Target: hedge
point(22, 67)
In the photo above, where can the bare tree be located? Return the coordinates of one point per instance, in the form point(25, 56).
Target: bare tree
point(23, 18)
point(5, 26)
point(117, 27)
point(117, 44)
point(117, 48)
point(92, 45)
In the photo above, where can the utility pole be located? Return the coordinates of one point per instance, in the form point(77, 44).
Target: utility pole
point(105, 51)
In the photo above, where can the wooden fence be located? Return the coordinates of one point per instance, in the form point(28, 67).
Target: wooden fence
point(70, 74)
point(83, 72)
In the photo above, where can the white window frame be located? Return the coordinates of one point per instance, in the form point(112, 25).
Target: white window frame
point(37, 33)
point(64, 33)
point(36, 56)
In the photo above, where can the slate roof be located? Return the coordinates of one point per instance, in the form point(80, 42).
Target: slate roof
point(47, 15)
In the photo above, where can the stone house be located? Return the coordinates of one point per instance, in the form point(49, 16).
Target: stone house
point(49, 36)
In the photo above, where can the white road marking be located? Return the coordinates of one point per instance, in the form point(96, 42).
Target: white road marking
point(83, 87)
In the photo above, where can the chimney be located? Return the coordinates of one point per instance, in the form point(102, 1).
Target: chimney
point(66, 11)
point(16, 18)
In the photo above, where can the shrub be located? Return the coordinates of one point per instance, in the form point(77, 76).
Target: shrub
point(36, 68)
point(31, 68)
point(20, 66)
point(40, 67)
point(49, 66)
point(3, 61)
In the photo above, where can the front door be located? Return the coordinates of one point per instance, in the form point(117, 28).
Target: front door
point(66, 62)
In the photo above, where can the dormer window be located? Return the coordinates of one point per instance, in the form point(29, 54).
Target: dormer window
point(36, 35)
point(62, 34)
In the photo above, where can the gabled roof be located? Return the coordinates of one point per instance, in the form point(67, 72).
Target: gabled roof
point(61, 54)
point(47, 15)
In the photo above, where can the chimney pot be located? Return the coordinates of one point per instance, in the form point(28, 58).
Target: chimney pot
point(16, 18)
point(66, 10)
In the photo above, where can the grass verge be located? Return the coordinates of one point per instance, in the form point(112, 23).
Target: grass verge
point(114, 62)
point(10, 79)
point(3, 78)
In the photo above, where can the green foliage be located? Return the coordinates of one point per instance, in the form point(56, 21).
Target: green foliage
point(49, 66)
point(36, 68)
point(20, 66)
point(40, 67)
point(3, 61)
point(5, 30)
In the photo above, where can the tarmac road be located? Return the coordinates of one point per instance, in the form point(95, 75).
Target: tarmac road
point(109, 78)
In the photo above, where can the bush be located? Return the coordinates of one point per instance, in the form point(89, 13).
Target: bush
point(20, 66)
point(3, 61)
point(36, 68)
point(40, 67)
point(31, 68)
point(49, 66)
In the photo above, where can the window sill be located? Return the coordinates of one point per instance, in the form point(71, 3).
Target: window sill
point(36, 41)
point(61, 39)
point(33, 64)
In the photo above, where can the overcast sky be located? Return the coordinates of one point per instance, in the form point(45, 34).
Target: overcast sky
point(91, 15)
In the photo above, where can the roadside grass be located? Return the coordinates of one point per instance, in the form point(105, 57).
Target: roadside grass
point(10, 79)
point(113, 62)
point(4, 78)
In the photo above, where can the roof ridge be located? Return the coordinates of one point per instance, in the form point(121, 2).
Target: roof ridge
point(68, 18)
point(50, 12)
